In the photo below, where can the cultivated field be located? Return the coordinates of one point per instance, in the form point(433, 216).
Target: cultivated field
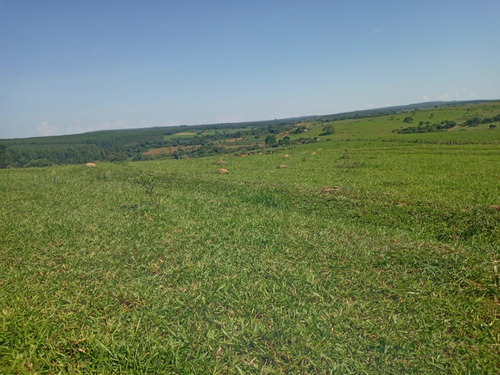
point(373, 252)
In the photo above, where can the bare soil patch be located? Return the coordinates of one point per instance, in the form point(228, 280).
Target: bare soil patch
point(167, 150)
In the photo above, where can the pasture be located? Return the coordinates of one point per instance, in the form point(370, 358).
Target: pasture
point(371, 253)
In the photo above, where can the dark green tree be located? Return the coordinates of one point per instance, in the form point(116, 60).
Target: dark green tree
point(270, 140)
point(328, 129)
point(285, 140)
point(474, 121)
point(7, 157)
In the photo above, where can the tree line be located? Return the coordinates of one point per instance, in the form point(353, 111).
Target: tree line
point(444, 125)
point(130, 144)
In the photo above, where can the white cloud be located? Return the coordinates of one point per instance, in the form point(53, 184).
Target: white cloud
point(376, 31)
point(103, 125)
point(448, 96)
point(75, 128)
point(118, 124)
point(122, 124)
point(425, 98)
point(45, 129)
point(229, 118)
point(167, 123)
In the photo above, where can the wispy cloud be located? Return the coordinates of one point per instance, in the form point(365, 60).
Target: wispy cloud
point(78, 127)
point(45, 129)
point(229, 118)
point(448, 96)
point(166, 123)
point(75, 128)
point(118, 124)
point(376, 31)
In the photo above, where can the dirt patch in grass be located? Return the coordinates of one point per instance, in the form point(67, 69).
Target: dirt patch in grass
point(167, 150)
point(186, 133)
point(331, 189)
point(232, 140)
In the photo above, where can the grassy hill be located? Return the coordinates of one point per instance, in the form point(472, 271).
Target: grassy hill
point(367, 251)
point(203, 140)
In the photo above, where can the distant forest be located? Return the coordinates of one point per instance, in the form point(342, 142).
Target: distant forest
point(129, 144)
point(132, 144)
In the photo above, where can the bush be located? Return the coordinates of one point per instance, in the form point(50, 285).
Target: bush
point(39, 163)
point(474, 121)
point(327, 130)
point(270, 140)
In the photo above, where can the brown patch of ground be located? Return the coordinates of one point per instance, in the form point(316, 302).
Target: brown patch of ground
point(167, 150)
point(330, 189)
point(232, 140)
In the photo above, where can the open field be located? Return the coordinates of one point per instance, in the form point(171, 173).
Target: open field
point(377, 253)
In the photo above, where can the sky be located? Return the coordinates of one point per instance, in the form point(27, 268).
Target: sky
point(76, 66)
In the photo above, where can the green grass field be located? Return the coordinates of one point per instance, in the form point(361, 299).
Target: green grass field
point(377, 254)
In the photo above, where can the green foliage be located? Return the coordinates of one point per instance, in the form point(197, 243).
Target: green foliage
point(5, 156)
point(270, 140)
point(474, 121)
point(285, 141)
point(38, 163)
point(300, 130)
point(436, 127)
point(327, 130)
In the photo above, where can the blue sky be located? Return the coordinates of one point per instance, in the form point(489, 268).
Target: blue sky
point(76, 66)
